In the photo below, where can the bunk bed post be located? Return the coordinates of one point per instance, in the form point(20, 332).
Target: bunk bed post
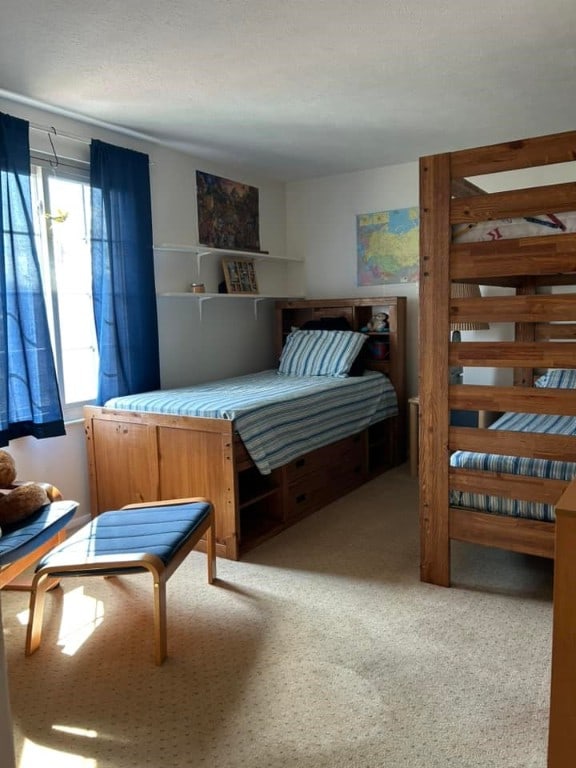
point(435, 236)
point(524, 377)
point(562, 734)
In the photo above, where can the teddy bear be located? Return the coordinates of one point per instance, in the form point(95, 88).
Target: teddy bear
point(378, 322)
point(18, 500)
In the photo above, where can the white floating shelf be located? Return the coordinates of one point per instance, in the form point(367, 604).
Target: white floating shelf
point(204, 250)
point(202, 297)
point(252, 297)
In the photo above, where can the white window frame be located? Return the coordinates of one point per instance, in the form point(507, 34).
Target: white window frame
point(40, 174)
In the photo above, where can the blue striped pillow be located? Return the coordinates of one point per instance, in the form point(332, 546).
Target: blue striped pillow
point(559, 378)
point(320, 353)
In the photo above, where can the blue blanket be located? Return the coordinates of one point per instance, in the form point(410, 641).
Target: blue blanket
point(278, 417)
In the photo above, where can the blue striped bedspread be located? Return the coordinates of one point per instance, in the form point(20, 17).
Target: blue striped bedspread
point(278, 417)
point(517, 465)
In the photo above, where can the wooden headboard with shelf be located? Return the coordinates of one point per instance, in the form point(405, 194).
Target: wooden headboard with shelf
point(357, 311)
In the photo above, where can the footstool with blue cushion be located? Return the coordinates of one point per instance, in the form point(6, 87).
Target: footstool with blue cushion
point(153, 536)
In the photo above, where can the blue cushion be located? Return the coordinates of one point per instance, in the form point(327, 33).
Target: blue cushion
point(159, 531)
point(320, 353)
point(27, 535)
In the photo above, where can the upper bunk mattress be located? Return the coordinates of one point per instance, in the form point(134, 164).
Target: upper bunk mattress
point(505, 229)
point(278, 417)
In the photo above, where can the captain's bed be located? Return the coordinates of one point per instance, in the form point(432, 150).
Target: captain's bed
point(496, 486)
point(270, 447)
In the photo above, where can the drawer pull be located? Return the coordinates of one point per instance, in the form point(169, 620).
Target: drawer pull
point(300, 462)
point(300, 498)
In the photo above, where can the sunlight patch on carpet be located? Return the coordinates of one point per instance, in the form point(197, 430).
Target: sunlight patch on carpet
point(34, 755)
point(88, 733)
point(81, 616)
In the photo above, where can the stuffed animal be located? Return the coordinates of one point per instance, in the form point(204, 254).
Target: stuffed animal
point(18, 500)
point(378, 322)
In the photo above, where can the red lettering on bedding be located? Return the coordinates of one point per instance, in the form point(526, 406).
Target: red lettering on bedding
point(556, 220)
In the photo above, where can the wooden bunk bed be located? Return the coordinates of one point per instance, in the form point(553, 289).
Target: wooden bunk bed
point(539, 311)
point(138, 456)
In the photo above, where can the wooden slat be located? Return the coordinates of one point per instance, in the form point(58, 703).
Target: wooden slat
point(518, 257)
point(515, 309)
point(519, 399)
point(532, 537)
point(435, 236)
point(517, 203)
point(508, 486)
point(512, 155)
point(509, 354)
point(155, 419)
point(547, 331)
point(507, 443)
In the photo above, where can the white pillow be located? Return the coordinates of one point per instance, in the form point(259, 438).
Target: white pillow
point(320, 353)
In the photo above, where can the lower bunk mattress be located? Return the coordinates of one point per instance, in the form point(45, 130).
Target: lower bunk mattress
point(516, 465)
point(278, 417)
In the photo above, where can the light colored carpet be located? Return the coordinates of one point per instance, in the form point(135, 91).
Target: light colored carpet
point(320, 650)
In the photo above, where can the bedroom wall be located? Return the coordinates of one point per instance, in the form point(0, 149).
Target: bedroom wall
point(321, 228)
point(231, 336)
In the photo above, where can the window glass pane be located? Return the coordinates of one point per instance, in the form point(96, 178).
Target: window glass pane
point(63, 237)
point(69, 223)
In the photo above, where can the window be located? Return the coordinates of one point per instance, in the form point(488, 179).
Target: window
point(61, 202)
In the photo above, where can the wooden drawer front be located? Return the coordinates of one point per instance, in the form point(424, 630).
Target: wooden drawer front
point(306, 496)
point(338, 454)
point(317, 489)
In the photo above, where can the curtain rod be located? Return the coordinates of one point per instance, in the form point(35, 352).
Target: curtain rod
point(63, 134)
point(69, 114)
point(69, 162)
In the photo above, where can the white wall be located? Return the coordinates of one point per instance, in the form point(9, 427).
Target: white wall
point(234, 335)
point(321, 227)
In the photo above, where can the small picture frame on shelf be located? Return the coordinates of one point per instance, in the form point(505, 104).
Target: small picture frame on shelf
point(240, 276)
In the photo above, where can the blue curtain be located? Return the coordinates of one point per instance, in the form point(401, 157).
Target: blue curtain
point(123, 271)
point(29, 397)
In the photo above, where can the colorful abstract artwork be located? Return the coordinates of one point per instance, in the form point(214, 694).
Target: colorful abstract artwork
point(227, 213)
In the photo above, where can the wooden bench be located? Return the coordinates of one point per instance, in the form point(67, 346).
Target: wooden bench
point(154, 537)
point(23, 544)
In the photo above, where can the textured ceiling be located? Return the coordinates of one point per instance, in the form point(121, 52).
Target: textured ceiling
point(301, 88)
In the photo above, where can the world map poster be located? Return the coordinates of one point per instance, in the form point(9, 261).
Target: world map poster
point(388, 246)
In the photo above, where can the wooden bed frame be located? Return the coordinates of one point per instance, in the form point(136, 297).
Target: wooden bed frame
point(541, 319)
point(137, 457)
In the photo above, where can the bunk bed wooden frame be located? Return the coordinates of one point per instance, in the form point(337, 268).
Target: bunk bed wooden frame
point(137, 457)
point(542, 321)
